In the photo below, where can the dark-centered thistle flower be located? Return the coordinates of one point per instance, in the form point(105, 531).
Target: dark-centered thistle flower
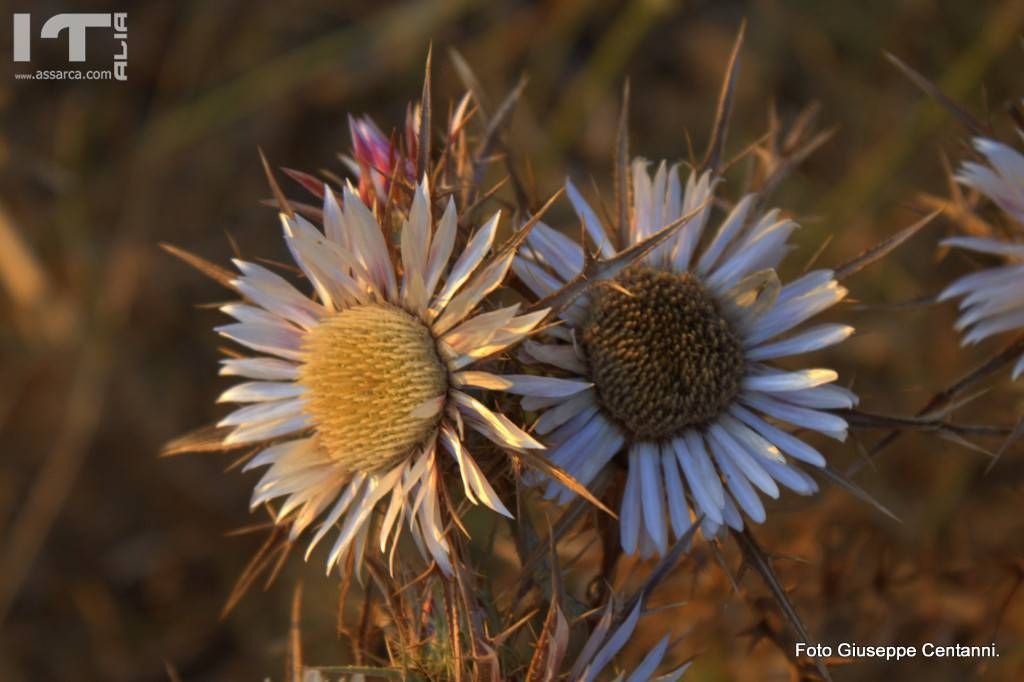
point(992, 301)
point(351, 392)
point(671, 362)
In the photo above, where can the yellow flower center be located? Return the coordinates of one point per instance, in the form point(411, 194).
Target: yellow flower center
point(370, 374)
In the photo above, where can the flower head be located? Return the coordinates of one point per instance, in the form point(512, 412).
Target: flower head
point(672, 362)
point(358, 394)
point(375, 160)
point(992, 300)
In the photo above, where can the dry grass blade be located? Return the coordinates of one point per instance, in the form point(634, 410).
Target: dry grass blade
point(215, 272)
point(423, 162)
point(546, 467)
point(206, 439)
point(933, 91)
point(754, 556)
point(882, 249)
point(725, 101)
point(598, 270)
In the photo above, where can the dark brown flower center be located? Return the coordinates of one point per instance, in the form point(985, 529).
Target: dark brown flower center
point(661, 355)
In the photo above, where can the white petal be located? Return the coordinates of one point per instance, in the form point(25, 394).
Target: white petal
point(630, 512)
point(614, 643)
point(751, 468)
point(265, 338)
point(496, 427)
point(725, 235)
point(263, 412)
point(563, 412)
point(787, 442)
point(441, 246)
point(478, 246)
point(700, 475)
point(814, 338)
point(738, 484)
point(551, 387)
point(645, 671)
point(275, 294)
point(675, 495)
point(561, 355)
point(368, 243)
point(562, 254)
point(261, 391)
point(483, 283)
point(260, 368)
point(652, 494)
point(351, 490)
point(829, 397)
point(590, 220)
point(415, 245)
point(772, 381)
point(261, 431)
point(983, 245)
point(815, 420)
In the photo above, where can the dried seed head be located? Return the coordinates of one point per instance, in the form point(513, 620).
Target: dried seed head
point(367, 369)
point(662, 356)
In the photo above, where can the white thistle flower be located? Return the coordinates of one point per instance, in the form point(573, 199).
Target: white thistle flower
point(992, 301)
point(356, 387)
point(673, 362)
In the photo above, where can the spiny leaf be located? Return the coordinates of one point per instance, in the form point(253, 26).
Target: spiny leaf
point(755, 556)
point(600, 270)
point(882, 249)
point(547, 467)
point(1018, 433)
point(725, 101)
point(206, 439)
point(215, 272)
point(423, 163)
point(933, 91)
point(310, 183)
point(856, 491)
point(275, 188)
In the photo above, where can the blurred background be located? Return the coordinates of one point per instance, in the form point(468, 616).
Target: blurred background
point(115, 565)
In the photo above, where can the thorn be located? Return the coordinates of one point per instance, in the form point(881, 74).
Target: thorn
point(282, 203)
point(718, 132)
point(425, 111)
point(622, 179)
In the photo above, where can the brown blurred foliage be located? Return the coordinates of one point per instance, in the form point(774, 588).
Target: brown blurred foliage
point(115, 565)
